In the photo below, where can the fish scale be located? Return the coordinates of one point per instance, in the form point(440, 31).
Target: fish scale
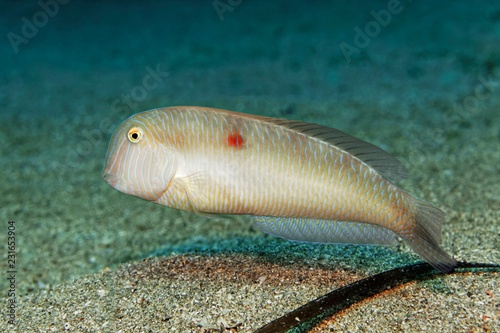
point(300, 181)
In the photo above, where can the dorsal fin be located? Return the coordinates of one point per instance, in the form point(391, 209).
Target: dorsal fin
point(380, 160)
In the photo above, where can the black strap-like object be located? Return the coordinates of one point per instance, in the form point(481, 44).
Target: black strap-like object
point(341, 298)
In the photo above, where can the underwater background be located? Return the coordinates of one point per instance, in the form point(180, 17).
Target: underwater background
point(421, 79)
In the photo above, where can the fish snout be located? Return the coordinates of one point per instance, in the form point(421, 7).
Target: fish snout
point(110, 178)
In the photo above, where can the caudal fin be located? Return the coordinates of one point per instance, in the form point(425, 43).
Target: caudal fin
point(425, 238)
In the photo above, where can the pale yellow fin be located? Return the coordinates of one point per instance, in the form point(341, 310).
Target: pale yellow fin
point(377, 158)
point(425, 236)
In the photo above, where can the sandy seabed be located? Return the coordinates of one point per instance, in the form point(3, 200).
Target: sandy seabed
point(426, 88)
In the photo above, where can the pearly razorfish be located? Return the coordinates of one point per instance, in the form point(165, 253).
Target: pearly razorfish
point(298, 180)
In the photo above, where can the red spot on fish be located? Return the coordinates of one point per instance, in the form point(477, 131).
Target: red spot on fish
point(235, 140)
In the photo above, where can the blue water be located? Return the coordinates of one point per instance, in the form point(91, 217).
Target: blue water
point(292, 50)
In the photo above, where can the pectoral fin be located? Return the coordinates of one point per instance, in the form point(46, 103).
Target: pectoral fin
point(193, 188)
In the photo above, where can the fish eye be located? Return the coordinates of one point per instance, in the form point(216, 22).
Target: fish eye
point(134, 134)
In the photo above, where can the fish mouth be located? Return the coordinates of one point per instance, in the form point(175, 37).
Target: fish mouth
point(110, 178)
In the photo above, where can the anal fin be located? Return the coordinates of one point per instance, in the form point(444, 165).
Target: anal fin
point(325, 231)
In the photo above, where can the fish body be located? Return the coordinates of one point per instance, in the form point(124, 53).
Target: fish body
point(300, 181)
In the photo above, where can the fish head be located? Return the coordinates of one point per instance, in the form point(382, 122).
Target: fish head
point(137, 161)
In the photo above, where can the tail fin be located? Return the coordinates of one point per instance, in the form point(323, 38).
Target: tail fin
point(425, 238)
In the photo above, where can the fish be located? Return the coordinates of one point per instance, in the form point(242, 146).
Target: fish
point(299, 181)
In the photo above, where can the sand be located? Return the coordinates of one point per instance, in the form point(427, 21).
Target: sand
point(90, 259)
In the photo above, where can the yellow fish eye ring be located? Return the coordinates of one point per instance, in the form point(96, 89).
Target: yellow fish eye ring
point(135, 134)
